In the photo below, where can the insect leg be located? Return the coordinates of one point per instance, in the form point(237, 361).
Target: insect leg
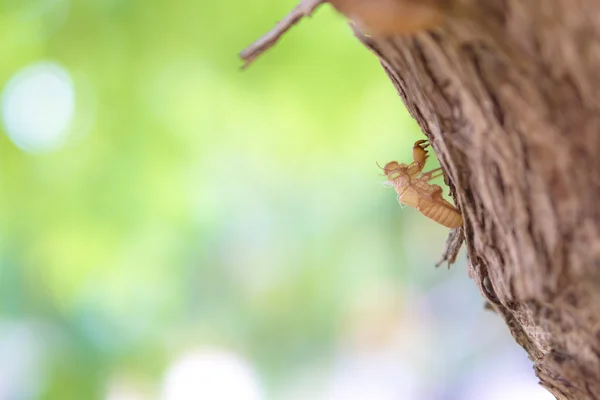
point(429, 175)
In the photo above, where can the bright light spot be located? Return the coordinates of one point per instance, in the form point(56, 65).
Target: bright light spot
point(515, 388)
point(506, 377)
point(211, 375)
point(21, 370)
point(372, 377)
point(38, 105)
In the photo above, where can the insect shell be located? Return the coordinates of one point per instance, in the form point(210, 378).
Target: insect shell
point(414, 189)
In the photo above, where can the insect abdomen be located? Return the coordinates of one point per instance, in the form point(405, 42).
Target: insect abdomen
point(443, 215)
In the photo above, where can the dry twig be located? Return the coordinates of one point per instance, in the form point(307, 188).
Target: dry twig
point(305, 8)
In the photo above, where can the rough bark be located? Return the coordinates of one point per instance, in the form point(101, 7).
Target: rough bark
point(510, 100)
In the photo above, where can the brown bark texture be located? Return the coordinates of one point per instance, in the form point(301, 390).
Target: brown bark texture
point(508, 94)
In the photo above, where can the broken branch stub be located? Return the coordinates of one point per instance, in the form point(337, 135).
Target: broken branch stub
point(304, 9)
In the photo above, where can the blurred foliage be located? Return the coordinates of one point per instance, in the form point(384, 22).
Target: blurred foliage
point(194, 203)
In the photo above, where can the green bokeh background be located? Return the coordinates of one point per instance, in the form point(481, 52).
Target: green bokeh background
point(195, 204)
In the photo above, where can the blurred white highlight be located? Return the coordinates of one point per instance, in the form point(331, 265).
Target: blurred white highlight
point(38, 106)
point(373, 377)
point(21, 361)
point(508, 376)
point(514, 388)
point(211, 374)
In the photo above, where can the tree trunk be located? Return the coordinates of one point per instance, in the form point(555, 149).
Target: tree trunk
point(510, 100)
